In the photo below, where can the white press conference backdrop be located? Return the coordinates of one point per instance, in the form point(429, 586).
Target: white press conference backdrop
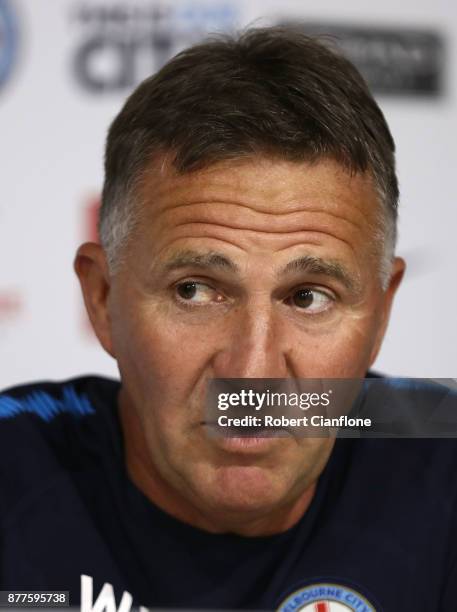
point(67, 65)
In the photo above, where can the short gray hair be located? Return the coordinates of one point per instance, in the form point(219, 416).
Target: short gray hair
point(268, 91)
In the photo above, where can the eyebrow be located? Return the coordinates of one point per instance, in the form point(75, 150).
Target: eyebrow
point(306, 263)
point(316, 265)
point(186, 259)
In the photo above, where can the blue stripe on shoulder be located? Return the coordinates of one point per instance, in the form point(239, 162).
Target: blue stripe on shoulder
point(45, 405)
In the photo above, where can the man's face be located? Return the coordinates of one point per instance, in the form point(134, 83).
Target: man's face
point(258, 269)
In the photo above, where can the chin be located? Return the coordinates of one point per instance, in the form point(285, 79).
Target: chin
point(244, 489)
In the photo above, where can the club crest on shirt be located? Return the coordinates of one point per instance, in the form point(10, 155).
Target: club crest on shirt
point(326, 597)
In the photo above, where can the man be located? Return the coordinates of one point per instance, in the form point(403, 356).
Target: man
point(247, 231)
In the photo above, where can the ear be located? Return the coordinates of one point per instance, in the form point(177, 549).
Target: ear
point(91, 268)
point(398, 271)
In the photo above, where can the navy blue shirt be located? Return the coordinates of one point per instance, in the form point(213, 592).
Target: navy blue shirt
point(380, 533)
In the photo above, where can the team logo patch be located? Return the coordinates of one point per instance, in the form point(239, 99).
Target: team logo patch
point(326, 597)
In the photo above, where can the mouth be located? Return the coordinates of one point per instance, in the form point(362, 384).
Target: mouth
point(244, 438)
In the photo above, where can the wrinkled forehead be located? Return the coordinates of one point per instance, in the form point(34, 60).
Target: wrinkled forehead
point(260, 211)
point(266, 185)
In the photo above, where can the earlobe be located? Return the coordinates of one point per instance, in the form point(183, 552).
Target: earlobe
point(92, 270)
point(398, 271)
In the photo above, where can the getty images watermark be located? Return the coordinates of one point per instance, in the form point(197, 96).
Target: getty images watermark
point(277, 400)
point(369, 407)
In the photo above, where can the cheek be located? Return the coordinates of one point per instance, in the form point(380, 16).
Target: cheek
point(161, 361)
point(341, 351)
point(356, 344)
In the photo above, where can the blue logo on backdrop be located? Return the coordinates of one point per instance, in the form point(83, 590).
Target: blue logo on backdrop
point(8, 40)
point(125, 42)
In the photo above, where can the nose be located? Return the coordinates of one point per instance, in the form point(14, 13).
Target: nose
point(254, 345)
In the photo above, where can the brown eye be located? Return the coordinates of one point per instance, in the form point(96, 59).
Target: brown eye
point(187, 290)
point(196, 293)
point(311, 300)
point(303, 298)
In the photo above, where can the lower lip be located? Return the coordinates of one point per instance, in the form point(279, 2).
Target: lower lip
point(245, 443)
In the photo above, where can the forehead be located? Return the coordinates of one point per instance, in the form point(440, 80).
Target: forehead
point(259, 212)
point(268, 186)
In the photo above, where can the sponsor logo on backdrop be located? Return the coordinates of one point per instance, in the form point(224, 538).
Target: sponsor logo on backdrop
point(8, 40)
point(10, 306)
point(118, 45)
point(394, 61)
point(89, 215)
point(91, 209)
